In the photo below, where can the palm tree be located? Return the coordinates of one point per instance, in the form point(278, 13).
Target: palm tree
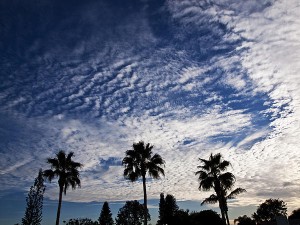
point(138, 162)
point(67, 172)
point(211, 177)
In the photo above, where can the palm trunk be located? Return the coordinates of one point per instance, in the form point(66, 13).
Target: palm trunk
point(221, 206)
point(145, 200)
point(226, 210)
point(226, 213)
point(222, 212)
point(217, 188)
point(59, 204)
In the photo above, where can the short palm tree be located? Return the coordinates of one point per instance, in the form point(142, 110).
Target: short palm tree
point(67, 172)
point(138, 162)
point(211, 177)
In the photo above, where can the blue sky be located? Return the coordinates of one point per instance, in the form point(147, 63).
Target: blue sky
point(190, 77)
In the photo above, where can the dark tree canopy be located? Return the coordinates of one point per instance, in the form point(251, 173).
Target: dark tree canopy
point(295, 214)
point(181, 217)
point(161, 210)
point(205, 217)
point(132, 213)
point(105, 215)
point(168, 209)
point(169, 212)
point(268, 210)
point(244, 220)
point(81, 221)
point(34, 200)
point(171, 209)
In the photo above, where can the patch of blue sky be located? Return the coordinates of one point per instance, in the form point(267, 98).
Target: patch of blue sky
point(13, 206)
point(198, 53)
point(188, 141)
point(110, 161)
point(239, 139)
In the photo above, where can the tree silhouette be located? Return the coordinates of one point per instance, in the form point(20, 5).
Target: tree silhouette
point(138, 162)
point(268, 210)
point(105, 215)
point(171, 209)
point(205, 217)
point(34, 200)
point(168, 209)
point(211, 177)
point(244, 220)
point(67, 172)
point(132, 213)
point(81, 221)
point(295, 214)
point(161, 210)
point(181, 217)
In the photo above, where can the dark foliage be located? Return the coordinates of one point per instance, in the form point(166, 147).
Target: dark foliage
point(161, 210)
point(81, 221)
point(295, 214)
point(171, 209)
point(34, 200)
point(244, 220)
point(181, 217)
point(132, 213)
point(205, 217)
point(106, 215)
point(168, 209)
point(268, 210)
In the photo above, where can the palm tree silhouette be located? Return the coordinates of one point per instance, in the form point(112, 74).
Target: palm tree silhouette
point(211, 177)
point(138, 162)
point(67, 172)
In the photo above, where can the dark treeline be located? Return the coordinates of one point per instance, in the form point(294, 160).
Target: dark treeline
point(141, 162)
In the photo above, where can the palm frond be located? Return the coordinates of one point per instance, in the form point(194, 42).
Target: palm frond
point(131, 174)
point(227, 180)
point(70, 155)
point(54, 163)
point(235, 192)
point(49, 174)
point(206, 184)
point(155, 171)
point(210, 200)
point(139, 160)
point(157, 159)
point(224, 164)
point(205, 165)
point(75, 165)
point(215, 159)
point(202, 174)
point(155, 166)
point(65, 169)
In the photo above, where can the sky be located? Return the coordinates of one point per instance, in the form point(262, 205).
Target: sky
point(190, 77)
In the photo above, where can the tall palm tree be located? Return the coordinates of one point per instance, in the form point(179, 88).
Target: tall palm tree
point(138, 162)
point(211, 177)
point(67, 172)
